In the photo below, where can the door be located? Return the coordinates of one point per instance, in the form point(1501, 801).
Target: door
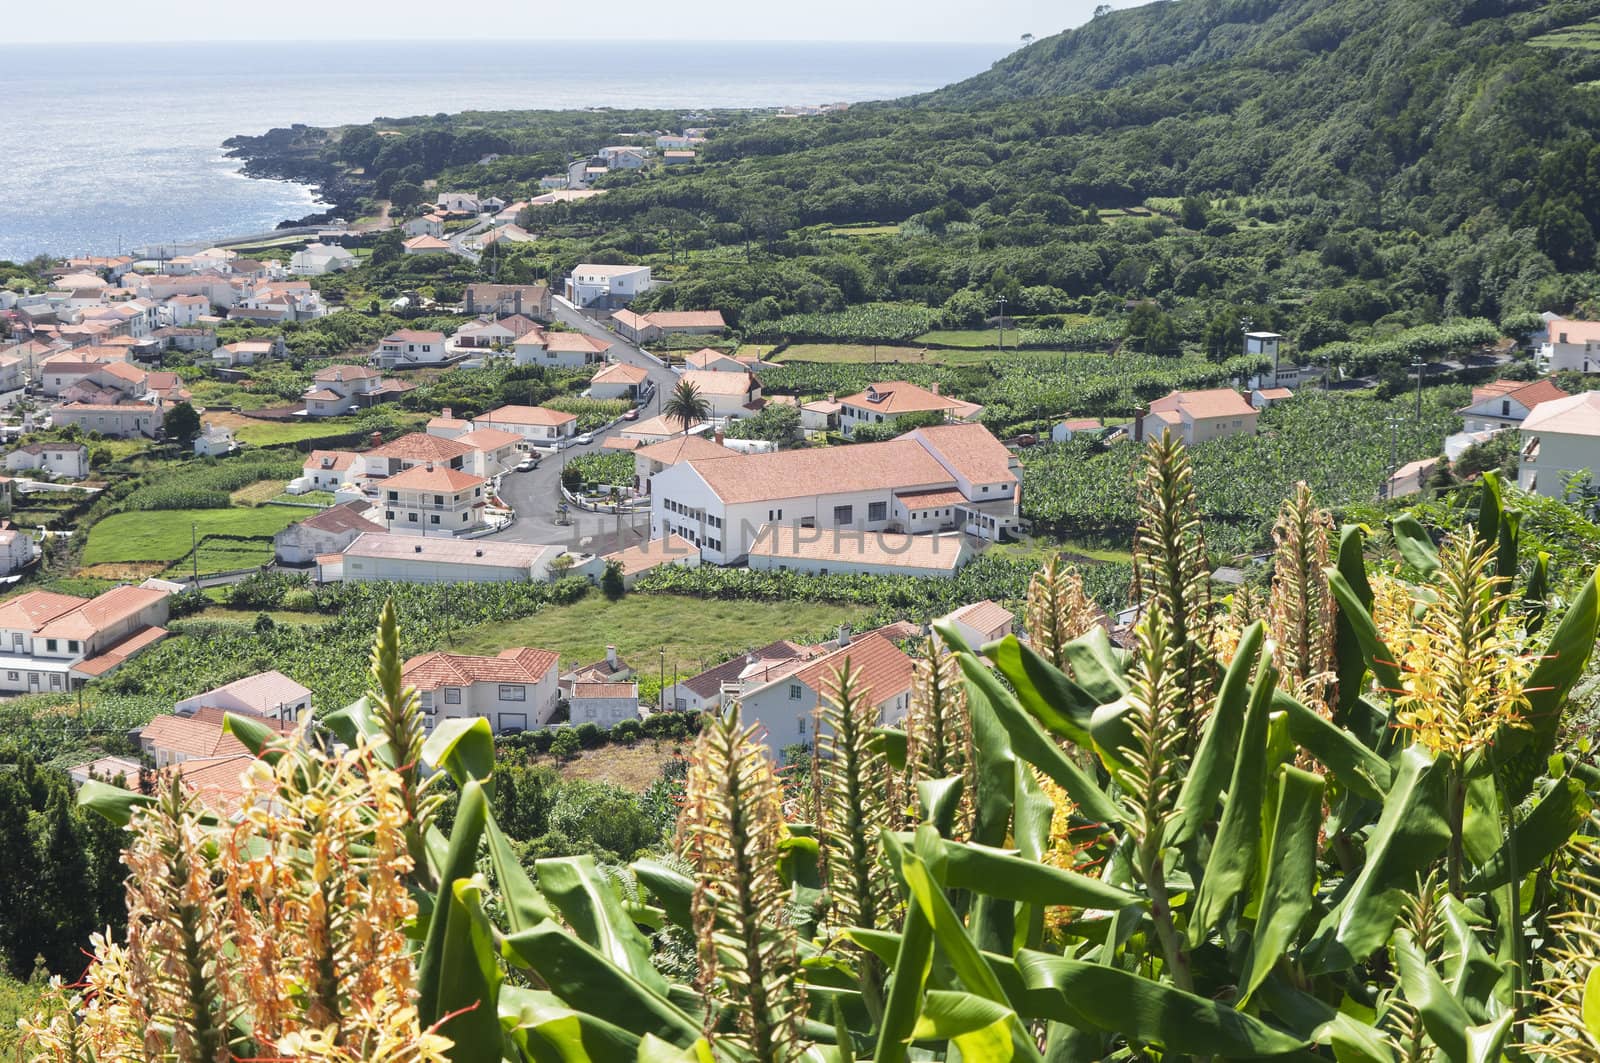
point(512, 722)
point(33, 680)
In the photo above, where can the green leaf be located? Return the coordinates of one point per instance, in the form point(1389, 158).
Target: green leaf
point(1486, 1042)
point(1097, 666)
point(999, 874)
point(1442, 1014)
point(586, 900)
point(1591, 1003)
point(463, 746)
point(671, 887)
point(980, 1029)
point(469, 981)
point(1491, 503)
point(891, 741)
point(1558, 815)
point(1349, 661)
point(1090, 996)
point(940, 800)
point(551, 1032)
point(1352, 763)
point(355, 722)
point(111, 802)
point(1537, 593)
point(1214, 759)
point(1234, 853)
point(654, 1050)
point(254, 735)
point(584, 979)
point(1029, 741)
point(1414, 544)
point(1291, 883)
point(1377, 656)
point(1411, 832)
point(908, 975)
point(1062, 706)
point(472, 810)
point(524, 905)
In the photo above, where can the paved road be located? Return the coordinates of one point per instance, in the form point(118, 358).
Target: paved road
point(535, 495)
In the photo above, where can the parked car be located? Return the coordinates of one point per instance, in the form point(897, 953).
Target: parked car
point(585, 439)
point(631, 415)
point(527, 464)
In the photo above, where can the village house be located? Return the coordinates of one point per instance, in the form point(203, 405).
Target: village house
point(198, 737)
point(63, 461)
point(17, 549)
point(646, 328)
point(728, 395)
point(514, 690)
point(458, 203)
point(411, 349)
point(1411, 478)
point(535, 424)
point(608, 669)
point(433, 500)
point(384, 557)
point(624, 156)
point(561, 350)
point(328, 531)
point(1506, 403)
point(886, 402)
point(174, 338)
point(273, 302)
point(653, 430)
point(266, 695)
point(424, 225)
point(1570, 346)
point(1062, 431)
point(115, 421)
point(942, 478)
point(319, 259)
point(214, 441)
point(426, 245)
point(710, 360)
point(330, 470)
point(837, 551)
point(710, 688)
point(162, 388)
point(605, 286)
point(786, 706)
point(341, 389)
point(982, 622)
point(1266, 398)
point(603, 704)
point(185, 311)
point(110, 382)
point(677, 156)
point(634, 561)
point(412, 449)
point(1560, 440)
point(619, 381)
point(490, 333)
point(821, 415)
point(447, 425)
point(244, 352)
point(504, 234)
point(654, 457)
point(52, 641)
point(492, 453)
point(506, 300)
point(1197, 416)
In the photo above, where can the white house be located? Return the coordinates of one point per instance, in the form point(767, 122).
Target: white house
point(494, 452)
point(458, 203)
point(425, 225)
point(727, 395)
point(942, 478)
point(17, 550)
point(116, 421)
point(606, 286)
point(318, 259)
point(841, 551)
point(504, 300)
point(243, 352)
point(982, 622)
point(410, 349)
point(434, 500)
point(654, 457)
point(66, 461)
point(1265, 398)
point(786, 705)
point(329, 470)
point(756, 668)
point(1560, 438)
point(1570, 346)
point(1062, 431)
point(267, 695)
point(644, 328)
point(1506, 403)
point(328, 531)
point(198, 739)
point(535, 424)
point(184, 311)
point(413, 449)
point(514, 691)
point(215, 441)
point(618, 381)
point(634, 561)
point(52, 641)
point(710, 360)
point(379, 556)
point(887, 401)
point(561, 350)
point(603, 704)
point(339, 389)
point(1196, 416)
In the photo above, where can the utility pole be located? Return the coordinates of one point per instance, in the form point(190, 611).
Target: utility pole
point(661, 690)
point(1000, 322)
point(194, 552)
point(1419, 365)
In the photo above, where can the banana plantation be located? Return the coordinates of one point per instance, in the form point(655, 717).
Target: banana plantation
point(1346, 819)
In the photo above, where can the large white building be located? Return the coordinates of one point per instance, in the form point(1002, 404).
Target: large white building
point(434, 500)
point(1560, 438)
point(52, 641)
point(381, 557)
point(514, 691)
point(605, 286)
point(944, 478)
point(1570, 346)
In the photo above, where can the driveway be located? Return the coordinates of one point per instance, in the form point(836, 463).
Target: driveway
point(536, 495)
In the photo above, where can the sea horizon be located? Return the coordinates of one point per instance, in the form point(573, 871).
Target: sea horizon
point(135, 146)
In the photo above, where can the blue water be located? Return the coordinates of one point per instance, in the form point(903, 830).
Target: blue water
point(112, 146)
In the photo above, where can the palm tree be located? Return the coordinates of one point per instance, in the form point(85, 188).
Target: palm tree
point(686, 406)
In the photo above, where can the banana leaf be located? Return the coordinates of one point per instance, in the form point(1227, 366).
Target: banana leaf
point(1291, 882)
point(909, 966)
point(590, 906)
point(1214, 758)
point(1349, 661)
point(1442, 1015)
point(1558, 815)
point(940, 800)
point(979, 1029)
point(112, 802)
point(654, 1050)
point(469, 977)
point(992, 750)
point(353, 723)
point(548, 1031)
point(1094, 997)
point(1415, 544)
point(1001, 874)
point(672, 888)
point(1062, 706)
point(460, 860)
point(1535, 597)
point(1097, 666)
point(1353, 764)
point(254, 735)
point(464, 747)
point(1377, 657)
point(524, 905)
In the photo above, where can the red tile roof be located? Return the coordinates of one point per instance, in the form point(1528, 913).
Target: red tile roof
point(432, 478)
point(881, 670)
point(430, 671)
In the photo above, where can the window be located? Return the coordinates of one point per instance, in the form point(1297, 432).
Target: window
point(13, 676)
point(412, 517)
point(878, 511)
point(843, 514)
point(1505, 407)
point(389, 514)
point(452, 695)
point(438, 500)
point(513, 692)
point(50, 645)
point(72, 645)
point(394, 496)
point(55, 682)
point(434, 518)
point(801, 725)
point(794, 691)
point(985, 488)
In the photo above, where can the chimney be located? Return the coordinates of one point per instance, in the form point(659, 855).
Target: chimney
point(844, 635)
point(377, 439)
point(719, 437)
point(447, 413)
point(430, 466)
point(935, 387)
point(611, 657)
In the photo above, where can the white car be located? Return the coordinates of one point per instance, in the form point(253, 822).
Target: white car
point(527, 464)
point(585, 439)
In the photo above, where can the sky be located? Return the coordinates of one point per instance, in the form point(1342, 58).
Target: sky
point(32, 22)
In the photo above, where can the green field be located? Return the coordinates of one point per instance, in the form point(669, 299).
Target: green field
point(16, 1000)
point(970, 337)
point(695, 633)
point(859, 230)
point(165, 534)
point(883, 354)
point(276, 433)
point(1584, 36)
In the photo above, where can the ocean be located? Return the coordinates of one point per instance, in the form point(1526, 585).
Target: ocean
point(108, 147)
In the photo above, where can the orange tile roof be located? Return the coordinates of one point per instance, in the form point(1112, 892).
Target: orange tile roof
point(685, 448)
point(103, 611)
point(707, 382)
point(620, 373)
point(687, 319)
point(972, 450)
point(574, 341)
point(985, 616)
point(218, 782)
point(433, 478)
point(191, 736)
point(895, 397)
point(489, 439)
point(881, 670)
point(407, 335)
point(420, 446)
point(35, 609)
point(338, 374)
point(1206, 404)
point(1575, 415)
point(118, 654)
point(341, 518)
point(929, 499)
point(656, 552)
point(426, 243)
point(526, 664)
point(329, 460)
point(529, 415)
point(898, 464)
point(604, 690)
point(1574, 331)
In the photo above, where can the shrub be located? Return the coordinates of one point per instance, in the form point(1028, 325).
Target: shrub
point(590, 735)
point(627, 732)
point(565, 744)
